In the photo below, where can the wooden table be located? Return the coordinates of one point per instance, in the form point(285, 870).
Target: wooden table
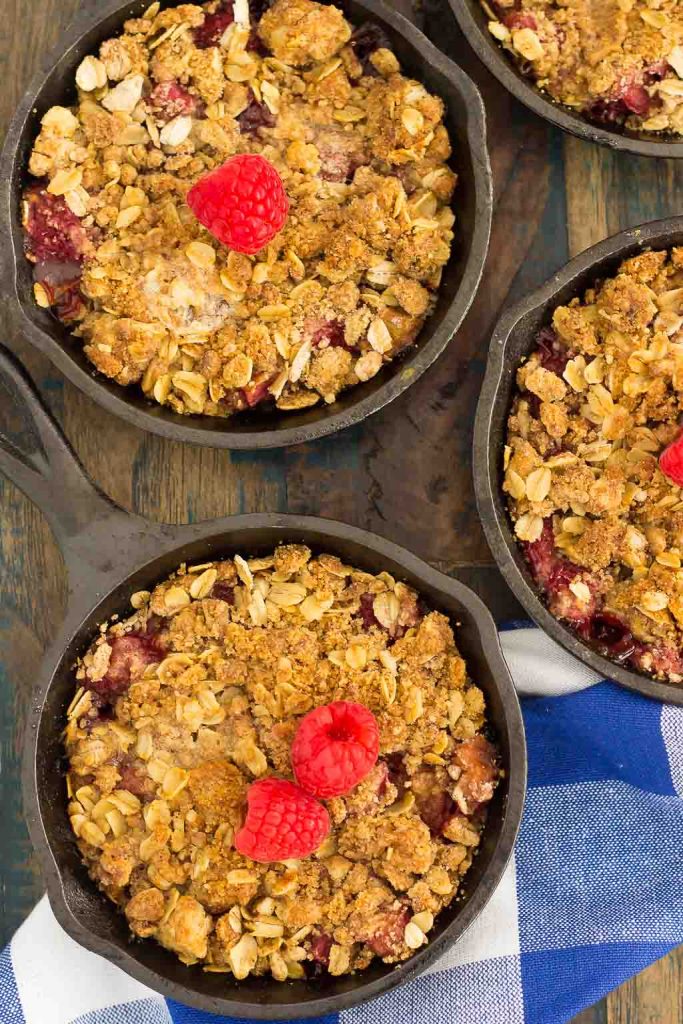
point(554, 196)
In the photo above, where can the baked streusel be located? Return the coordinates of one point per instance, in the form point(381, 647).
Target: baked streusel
point(158, 302)
point(601, 524)
point(199, 694)
point(616, 61)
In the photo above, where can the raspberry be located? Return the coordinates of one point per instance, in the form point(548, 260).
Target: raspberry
point(222, 591)
point(53, 231)
point(130, 656)
point(243, 203)
point(170, 99)
point(384, 932)
point(254, 116)
point(671, 461)
point(210, 32)
point(282, 822)
point(335, 747)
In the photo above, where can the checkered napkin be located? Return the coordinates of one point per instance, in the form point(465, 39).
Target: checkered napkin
point(591, 896)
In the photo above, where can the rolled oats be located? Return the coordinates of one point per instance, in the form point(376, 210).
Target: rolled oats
point(195, 695)
point(603, 531)
point(616, 63)
point(361, 150)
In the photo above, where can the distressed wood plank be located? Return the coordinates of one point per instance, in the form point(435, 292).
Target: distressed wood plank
point(653, 997)
point(406, 473)
point(607, 191)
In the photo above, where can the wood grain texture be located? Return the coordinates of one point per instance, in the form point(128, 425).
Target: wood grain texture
point(405, 473)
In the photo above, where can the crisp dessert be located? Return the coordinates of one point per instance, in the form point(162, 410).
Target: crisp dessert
point(279, 765)
point(619, 62)
point(136, 223)
point(594, 464)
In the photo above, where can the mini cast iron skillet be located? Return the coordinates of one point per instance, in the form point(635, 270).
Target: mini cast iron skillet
point(110, 554)
point(256, 429)
point(513, 338)
point(473, 22)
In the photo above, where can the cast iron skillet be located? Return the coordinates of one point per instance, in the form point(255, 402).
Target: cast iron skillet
point(466, 122)
point(110, 554)
point(512, 339)
point(473, 22)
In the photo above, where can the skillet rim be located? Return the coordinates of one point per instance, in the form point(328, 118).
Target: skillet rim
point(158, 420)
point(489, 432)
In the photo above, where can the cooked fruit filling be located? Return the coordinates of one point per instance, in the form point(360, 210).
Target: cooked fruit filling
point(266, 778)
point(620, 62)
point(247, 205)
point(594, 464)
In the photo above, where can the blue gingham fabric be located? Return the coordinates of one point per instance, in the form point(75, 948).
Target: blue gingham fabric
point(591, 896)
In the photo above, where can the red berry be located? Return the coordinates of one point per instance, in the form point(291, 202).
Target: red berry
point(335, 747)
point(243, 203)
point(282, 822)
point(671, 461)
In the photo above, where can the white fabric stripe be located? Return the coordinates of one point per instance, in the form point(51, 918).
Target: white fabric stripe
point(494, 934)
point(540, 667)
point(672, 732)
point(51, 970)
point(489, 992)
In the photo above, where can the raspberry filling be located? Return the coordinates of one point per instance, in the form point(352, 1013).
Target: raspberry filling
point(553, 355)
point(326, 333)
point(254, 116)
point(520, 19)
point(321, 944)
point(385, 935)
point(338, 162)
point(365, 41)
point(603, 631)
point(53, 232)
point(223, 592)
point(434, 804)
point(170, 99)
point(130, 656)
point(257, 391)
point(210, 32)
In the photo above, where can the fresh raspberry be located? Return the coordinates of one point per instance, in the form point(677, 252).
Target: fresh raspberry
point(335, 747)
point(671, 461)
point(243, 203)
point(282, 822)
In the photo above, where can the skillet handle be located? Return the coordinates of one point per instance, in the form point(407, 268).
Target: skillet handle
point(87, 524)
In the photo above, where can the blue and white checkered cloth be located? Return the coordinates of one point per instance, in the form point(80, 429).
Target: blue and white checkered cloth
point(591, 896)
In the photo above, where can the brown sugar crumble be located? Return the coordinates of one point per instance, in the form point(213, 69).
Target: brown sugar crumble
point(199, 693)
point(157, 301)
point(600, 523)
point(619, 62)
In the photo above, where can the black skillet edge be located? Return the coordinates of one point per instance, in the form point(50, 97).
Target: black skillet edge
point(517, 329)
point(473, 21)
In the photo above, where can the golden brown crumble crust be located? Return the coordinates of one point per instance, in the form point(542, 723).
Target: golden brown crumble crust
point(221, 660)
point(347, 283)
point(617, 60)
point(584, 438)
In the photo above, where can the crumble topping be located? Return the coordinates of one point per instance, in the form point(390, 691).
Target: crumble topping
point(199, 693)
point(620, 62)
point(601, 524)
point(158, 302)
